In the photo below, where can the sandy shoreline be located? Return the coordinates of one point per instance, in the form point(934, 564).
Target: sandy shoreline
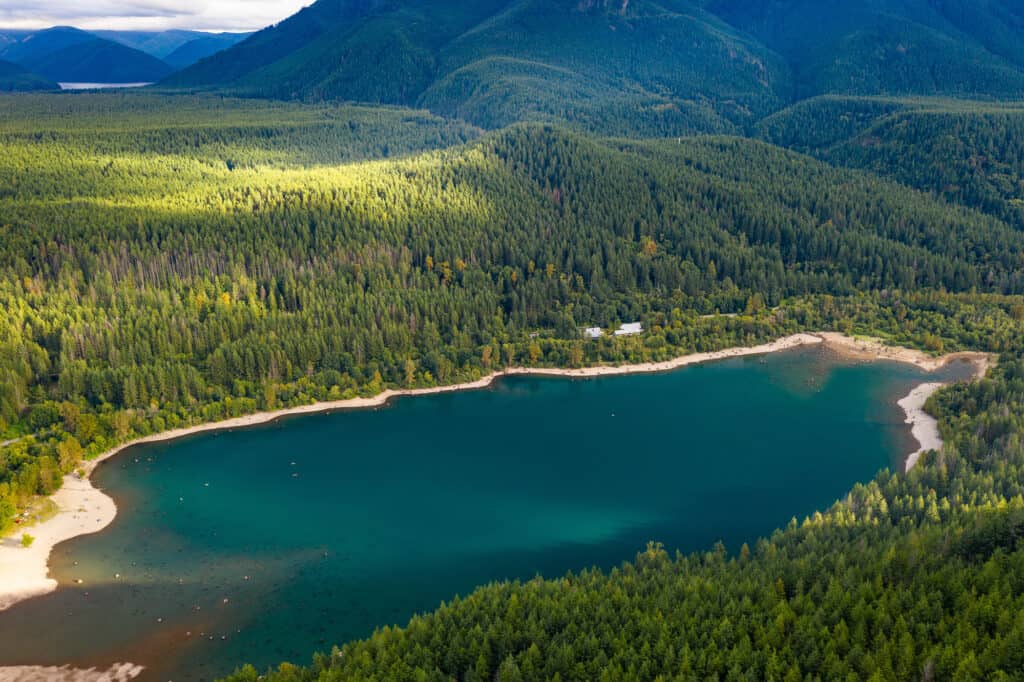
point(83, 509)
point(24, 572)
point(874, 350)
point(923, 426)
point(119, 672)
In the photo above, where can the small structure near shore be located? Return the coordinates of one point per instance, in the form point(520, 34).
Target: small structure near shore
point(627, 329)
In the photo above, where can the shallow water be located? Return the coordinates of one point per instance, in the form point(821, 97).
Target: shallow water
point(266, 544)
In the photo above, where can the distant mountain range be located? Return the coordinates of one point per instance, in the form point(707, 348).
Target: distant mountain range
point(66, 54)
point(618, 67)
point(647, 66)
point(163, 44)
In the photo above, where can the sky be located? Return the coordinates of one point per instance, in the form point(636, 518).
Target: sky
point(148, 15)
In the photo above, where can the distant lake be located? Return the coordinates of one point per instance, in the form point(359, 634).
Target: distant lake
point(266, 544)
point(100, 86)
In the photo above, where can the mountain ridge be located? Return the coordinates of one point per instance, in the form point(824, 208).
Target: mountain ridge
point(424, 53)
point(677, 65)
point(98, 60)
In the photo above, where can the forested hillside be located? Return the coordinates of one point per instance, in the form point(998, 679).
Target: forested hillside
point(201, 47)
point(890, 47)
point(638, 68)
point(632, 68)
point(968, 153)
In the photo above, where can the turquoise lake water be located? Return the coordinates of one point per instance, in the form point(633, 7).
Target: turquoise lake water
point(267, 544)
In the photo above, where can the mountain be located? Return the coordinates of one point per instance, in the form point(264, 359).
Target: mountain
point(146, 56)
point(327, 38)
point(156, 43)
point(586, 58)
point(100, 61)
point(873, 47)
point(200, 47)
point(14, 78)
point(642, 67)
point(10, 36)
point(163, 44)
point(603, 65)
point(30, 47)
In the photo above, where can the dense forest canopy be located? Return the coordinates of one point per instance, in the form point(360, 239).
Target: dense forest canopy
point(969, 153)
point(890, 47)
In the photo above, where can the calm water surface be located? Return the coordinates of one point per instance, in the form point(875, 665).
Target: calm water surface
point(101, 86)
point(266, 544)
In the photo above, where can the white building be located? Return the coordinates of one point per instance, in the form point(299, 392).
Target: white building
point(630, 329)
point(592, 333)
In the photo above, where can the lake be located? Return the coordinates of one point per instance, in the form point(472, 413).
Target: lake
point(101, 86)
point(266, 544)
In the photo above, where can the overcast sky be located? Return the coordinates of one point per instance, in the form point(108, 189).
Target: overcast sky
point(216, 15)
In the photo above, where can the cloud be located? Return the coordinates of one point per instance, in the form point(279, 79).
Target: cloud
point(144, 15)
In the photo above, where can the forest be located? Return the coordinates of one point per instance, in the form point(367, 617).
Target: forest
point(967, 153)
point(174, 260)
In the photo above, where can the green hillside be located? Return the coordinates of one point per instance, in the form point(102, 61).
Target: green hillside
point(641, 68)
point(874, 47)
point(171, 260)
point(14, 78)
point(670, 63)
point(965, 152)
point(316, 38)
point(669, 68)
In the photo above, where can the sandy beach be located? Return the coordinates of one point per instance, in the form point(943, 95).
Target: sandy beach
point(119, 672)
point(23, 571)
point(923, 426)
point(873, 350)
point(84, 509)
